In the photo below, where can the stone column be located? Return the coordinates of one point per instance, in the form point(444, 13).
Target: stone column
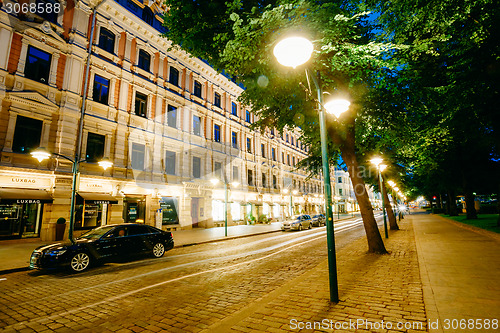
point(53, 69)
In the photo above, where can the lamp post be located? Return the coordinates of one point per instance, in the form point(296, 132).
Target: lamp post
point(41, 154)
point(394, 197)
point(234, 184)
point(293, 52)
point(377, 161)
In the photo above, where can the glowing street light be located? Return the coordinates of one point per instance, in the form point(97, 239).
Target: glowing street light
point(40, 154)
point(293, 52)
point(337, 106)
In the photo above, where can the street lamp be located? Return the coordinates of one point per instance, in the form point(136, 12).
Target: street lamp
point(42, 154)
point(293, 52)
point(394, 198)
point(215, 181)
point(377, 161)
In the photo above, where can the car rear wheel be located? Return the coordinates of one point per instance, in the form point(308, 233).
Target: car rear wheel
point(80, 262)
point(158, 250)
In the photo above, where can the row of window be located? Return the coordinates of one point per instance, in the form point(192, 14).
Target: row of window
point(28, 132)
point(38, 69)
point(289, 139)
point(107, 43)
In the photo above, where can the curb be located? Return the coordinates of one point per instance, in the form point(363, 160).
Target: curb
point(484, 232)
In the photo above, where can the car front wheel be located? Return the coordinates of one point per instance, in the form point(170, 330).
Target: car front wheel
point(158, 250)
point(80, 262)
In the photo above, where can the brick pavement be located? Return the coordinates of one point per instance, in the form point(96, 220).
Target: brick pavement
point(373, 288)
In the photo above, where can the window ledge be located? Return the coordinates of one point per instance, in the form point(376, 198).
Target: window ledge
point(172, 87)
point(143, 73)
point(197, 99)
point(105, 54)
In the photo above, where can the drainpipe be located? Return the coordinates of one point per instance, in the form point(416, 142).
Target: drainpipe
point(76, 161)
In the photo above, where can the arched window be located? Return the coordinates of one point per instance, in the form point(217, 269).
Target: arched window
point(174, 76)
point(147, 16)
point(144, 60)
point(107, 40)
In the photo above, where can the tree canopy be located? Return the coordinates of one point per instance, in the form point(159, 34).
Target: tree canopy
point(422, 78)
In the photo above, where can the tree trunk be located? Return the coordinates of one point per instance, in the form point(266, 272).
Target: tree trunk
point(375, 243)
point(448, 206)
point(453, 204)
point(390, 213)
point(469, 205)
point(438, 201)
point(345, 139)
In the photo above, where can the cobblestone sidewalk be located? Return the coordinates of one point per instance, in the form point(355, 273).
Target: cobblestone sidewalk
point(379, 293)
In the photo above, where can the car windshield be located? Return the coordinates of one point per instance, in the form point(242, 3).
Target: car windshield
point(96, 233)
point(296, 217)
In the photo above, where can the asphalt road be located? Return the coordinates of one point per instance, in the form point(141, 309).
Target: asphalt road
point(189, 289)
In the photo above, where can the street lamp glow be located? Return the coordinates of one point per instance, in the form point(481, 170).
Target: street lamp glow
point(285, 191)
point(105, 163)
point(214, 181)
point(337, 106)
point(295, 192)
point(382, 167)
point(391, 183)
point(41, 154)
point(293, 51)
point(235, 184)
point(376, 161)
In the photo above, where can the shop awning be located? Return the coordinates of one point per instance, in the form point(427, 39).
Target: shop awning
point(98, 198)
point(18, 195)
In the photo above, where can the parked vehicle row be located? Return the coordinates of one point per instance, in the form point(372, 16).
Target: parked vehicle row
point(117, 242)
point(303, 221)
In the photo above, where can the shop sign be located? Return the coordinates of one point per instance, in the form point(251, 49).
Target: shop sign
point(24, 182)
point(95, 187)
point(28, 201)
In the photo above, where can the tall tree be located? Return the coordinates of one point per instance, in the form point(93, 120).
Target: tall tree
point(448, 91)
point(344, 59)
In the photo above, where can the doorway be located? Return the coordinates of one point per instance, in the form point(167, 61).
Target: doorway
point(195, 208)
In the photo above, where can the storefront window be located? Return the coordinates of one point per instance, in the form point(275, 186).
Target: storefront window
point(134, 210)
point(169, 209)
point(265, 209)
point(20, 219)
point(236, 211)
point(217, 210)
point(90, 215)
point(276, 211)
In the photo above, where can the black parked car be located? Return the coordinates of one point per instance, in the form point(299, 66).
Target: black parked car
point(103, 244)
point(318, 220)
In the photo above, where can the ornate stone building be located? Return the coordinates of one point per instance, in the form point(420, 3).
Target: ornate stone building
point(167, 121)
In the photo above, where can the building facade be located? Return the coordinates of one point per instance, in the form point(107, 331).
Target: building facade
point(167, 121)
